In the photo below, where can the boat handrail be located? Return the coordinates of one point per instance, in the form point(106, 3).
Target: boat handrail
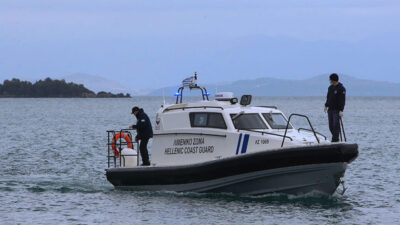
point(191, 133)
point(179, 95)
point(268, 106)
point(194, 107)
point(311, 131)
point(342, 130)
point(263, 132)
point(309, 122)
point(110, 155)
point(191, 83)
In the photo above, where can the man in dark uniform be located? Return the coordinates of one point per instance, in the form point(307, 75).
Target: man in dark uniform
point(335, 101)
point(144, 133)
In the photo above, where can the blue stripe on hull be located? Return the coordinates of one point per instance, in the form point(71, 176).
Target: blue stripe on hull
point(245, 142)
point(237, 148)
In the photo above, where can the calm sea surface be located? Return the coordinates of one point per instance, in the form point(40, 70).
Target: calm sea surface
point(53, 156)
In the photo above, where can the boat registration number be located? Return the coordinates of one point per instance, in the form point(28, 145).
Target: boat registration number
point(261, 141)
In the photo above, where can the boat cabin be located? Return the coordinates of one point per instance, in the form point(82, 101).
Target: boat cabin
point(187, 133)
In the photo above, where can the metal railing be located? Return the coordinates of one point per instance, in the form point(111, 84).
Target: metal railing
point(309, 122)
point(342, 129)
point(112, 159)
point(179, 96)
point(311, 131)
point(193, 107)
point(263, 132)
point(190, 133)
point(268, 106)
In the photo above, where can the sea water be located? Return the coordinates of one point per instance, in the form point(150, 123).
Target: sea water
point(53, 156)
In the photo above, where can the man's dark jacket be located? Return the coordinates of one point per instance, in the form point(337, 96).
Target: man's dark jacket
point(336, 97)
point(143, 125)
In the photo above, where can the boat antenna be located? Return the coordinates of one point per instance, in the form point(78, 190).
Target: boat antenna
point(163, 94)
point(195, 79)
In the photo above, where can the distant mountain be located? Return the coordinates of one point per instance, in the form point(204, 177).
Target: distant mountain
point(315, 86)
point(97, 83)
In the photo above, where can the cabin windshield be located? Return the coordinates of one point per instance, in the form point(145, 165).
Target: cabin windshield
point(276, 120)
point(248, 121)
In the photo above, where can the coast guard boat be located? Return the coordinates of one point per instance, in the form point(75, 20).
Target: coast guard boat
point(228, 146)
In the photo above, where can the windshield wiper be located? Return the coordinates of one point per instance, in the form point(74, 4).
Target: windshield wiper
point(238, 115)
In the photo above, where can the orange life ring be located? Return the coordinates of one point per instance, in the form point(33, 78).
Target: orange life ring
point(118, 136)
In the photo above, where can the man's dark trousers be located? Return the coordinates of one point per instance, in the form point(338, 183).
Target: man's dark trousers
point(334, 124)
point(143, 151)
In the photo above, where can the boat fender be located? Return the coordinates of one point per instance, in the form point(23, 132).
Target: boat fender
point(118, 136)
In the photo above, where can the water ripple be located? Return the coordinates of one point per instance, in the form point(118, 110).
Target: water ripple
point(53, 157)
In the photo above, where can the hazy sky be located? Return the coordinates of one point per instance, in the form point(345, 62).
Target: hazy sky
point(158, 43)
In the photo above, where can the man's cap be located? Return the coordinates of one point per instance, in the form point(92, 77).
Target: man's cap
point(134, 109)
point(334, 77)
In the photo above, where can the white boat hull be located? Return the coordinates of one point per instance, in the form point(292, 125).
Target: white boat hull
point(293, 171)
point(323, 178)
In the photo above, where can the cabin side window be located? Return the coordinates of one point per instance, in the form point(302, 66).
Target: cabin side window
point(211, 120)
point(248, 121)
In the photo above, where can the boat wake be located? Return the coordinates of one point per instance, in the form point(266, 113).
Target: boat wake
point(311, 199)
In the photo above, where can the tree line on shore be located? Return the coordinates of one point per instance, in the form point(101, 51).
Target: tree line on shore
point(49, 88)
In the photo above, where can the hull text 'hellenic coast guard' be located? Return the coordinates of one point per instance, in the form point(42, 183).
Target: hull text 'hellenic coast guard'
point(224, 145)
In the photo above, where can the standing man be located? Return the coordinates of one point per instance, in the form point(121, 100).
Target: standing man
point(335, 101)
point(144, 133)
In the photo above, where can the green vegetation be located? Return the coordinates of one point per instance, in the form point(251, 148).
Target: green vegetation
point(49, 88)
